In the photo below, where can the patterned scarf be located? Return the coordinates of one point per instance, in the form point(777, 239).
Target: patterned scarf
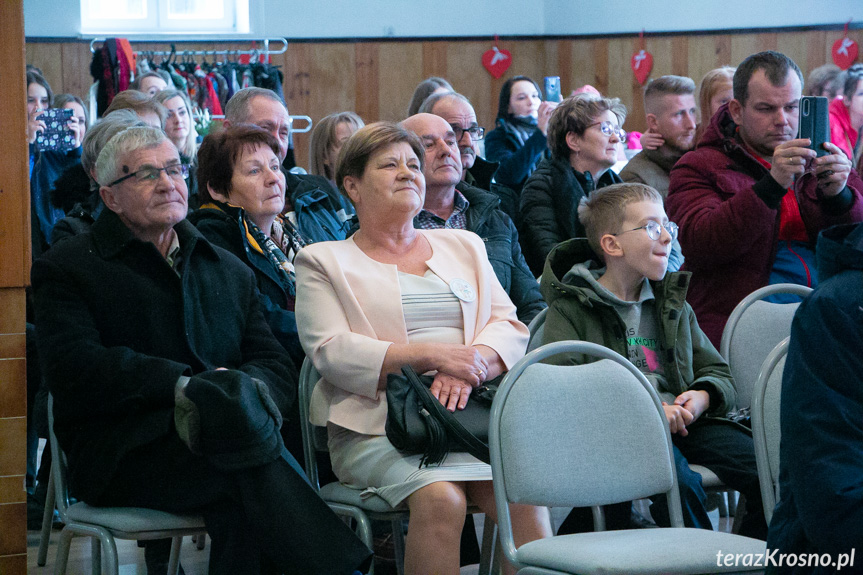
point(275, 253)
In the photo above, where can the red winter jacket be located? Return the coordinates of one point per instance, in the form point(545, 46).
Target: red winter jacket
point(727, 206)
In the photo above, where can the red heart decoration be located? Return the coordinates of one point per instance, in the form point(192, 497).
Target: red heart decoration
point(844, 52)
point(497, 61)
point(641, 64)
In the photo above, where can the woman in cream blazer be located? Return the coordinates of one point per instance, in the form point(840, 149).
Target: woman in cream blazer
point(352, 298)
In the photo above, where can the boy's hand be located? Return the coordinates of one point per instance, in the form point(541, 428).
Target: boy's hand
point(695, 402)
point(678, 418)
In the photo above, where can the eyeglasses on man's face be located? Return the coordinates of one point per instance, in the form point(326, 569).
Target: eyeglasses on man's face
point(609, 129)
point(150, 175)
point(476, 133)
point(654, 230)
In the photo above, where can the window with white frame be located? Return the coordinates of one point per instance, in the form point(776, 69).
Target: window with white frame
point(115, 17)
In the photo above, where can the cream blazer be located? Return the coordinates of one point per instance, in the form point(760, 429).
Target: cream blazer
point(349, 312)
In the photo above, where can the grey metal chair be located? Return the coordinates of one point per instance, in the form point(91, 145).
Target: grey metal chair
point(589, 435)
point(105, 524)
point(754, 328)
point(766, 400)
point(536, 326)
point(346, 501)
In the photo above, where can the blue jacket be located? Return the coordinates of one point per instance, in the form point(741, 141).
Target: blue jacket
point(821, 453)
point(323, 214)
point(49, 165)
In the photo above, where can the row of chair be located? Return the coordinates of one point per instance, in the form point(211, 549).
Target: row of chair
point(538, 457)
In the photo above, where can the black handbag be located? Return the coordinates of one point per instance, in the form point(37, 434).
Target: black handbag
point(418, 423)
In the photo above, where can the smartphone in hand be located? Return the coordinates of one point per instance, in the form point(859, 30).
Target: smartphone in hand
point(552, 89)
point(58, 136)
point(814, 122)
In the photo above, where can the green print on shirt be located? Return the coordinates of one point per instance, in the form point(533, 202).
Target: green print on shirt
point(649, 343)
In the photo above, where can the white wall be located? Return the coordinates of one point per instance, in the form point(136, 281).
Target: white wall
point(413, 18)
point(565, 17)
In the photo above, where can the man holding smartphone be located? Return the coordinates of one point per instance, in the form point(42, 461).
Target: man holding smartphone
point(751, 199)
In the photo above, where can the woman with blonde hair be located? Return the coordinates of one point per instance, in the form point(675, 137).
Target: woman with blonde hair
point(327, 139)
point(180, 129)
point(715, 90)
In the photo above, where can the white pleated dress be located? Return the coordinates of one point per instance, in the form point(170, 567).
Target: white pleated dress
point(370, 462)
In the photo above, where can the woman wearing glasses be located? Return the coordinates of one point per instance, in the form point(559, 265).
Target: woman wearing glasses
point(583, 134)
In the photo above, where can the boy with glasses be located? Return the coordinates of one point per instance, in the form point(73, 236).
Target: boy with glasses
point(612, 289)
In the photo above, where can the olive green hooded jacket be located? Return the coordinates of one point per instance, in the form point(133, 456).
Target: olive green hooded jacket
point(576, 311)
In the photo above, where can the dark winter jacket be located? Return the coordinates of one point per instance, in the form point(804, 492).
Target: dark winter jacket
point(117, 327)
point(821, 416)
point(225, 226)
point(576, 311)
point(81, 204)
point(504, 252)
point(481, 175)
point(549, 207)
point(323, 214)
point(517, 157)
point(48, 167)
point(727, 206)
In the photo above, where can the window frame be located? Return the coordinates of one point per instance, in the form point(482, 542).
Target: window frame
point(234, 21)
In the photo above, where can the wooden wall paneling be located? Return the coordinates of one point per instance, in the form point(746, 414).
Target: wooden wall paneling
point(601, 65)
point(584, 63)
point(76, 58)
point(564, 66)
point(815, 50)
point(680, 56)
point(434, 59)
point(703, 56)
point(766, 41)
point(400, 69)
point(743, 45)
point(331, 82)
point(794, 46)
point(297, 88)
point(367, 80)
point(469, 77)
point(723, 50)
point(47, 57)
point(621, 82)
point(14, 275)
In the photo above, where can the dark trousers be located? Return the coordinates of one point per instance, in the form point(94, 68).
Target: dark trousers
point(264, 519)
point(727, 450)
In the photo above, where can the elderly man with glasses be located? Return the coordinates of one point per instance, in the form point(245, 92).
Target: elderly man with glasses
point(476, 170)
point(168, 384)
point(452, 203)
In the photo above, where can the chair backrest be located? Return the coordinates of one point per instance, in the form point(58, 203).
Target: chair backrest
point(535, 328)
point(754, 328)
point(59, 466)
point(578, 436)
point(766, 400)
point(314, 436)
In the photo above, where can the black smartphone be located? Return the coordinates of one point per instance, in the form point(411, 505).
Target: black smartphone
point(58, 136)
point(814, 122)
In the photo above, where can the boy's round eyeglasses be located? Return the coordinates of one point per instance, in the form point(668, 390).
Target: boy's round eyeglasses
point(654, 230)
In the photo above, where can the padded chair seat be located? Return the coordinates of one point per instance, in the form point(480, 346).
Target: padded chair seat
point(335, 492)
point(644, 551)
point(708, 478)
point(133, 519)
